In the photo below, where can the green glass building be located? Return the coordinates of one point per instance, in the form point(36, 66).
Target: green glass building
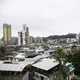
point(6, 33)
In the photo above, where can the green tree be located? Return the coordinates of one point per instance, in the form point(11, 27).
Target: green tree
point(74, 58)
point(61, 58)
point(76, 61)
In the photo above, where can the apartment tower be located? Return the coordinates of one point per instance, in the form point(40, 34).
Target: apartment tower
point(6, 33)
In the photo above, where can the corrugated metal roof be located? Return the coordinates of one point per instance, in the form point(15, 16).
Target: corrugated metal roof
point(46, 64)
point(13, 67)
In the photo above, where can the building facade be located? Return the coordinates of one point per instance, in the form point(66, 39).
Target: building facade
point(23, 36)
point(6, 33)
point(20, 38)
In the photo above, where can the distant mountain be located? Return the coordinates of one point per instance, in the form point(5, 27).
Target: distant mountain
point(70, 35)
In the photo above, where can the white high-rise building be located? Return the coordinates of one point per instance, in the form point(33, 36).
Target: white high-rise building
point(24, 36)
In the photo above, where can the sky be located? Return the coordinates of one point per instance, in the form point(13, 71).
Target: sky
point(43, 17)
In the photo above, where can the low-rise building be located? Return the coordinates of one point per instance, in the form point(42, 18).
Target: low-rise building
point(46, 69)
point(14, 71)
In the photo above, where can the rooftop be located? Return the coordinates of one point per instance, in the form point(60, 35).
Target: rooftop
point(17, 67)
point(46, 64)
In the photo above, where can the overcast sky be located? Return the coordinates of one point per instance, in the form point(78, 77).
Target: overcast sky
point(43, 17)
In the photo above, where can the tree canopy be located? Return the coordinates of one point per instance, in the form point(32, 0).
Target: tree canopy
point(75, 60)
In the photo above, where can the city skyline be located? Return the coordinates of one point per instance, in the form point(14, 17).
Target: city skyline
point(43, 17)
point(15, 33)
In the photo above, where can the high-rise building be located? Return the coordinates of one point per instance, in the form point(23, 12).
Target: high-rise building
point(20, 38)
point(27, 35)
point(24, 36)
point(6, 33)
